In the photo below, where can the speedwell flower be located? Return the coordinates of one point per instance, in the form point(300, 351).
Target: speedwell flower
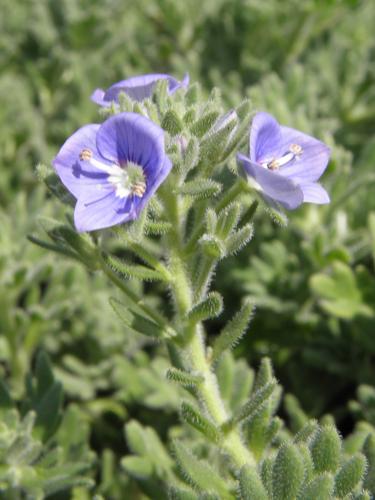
point(137, 88)
point(284, 164)
point(113, 169)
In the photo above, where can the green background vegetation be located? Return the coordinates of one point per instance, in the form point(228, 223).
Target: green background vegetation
point(309, 63)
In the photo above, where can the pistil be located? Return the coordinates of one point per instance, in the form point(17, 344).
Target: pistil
point(294, 152)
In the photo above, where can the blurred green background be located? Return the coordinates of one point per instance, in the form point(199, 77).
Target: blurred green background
point(309, 63)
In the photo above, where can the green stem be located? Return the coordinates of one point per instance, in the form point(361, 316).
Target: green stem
point(210, 397)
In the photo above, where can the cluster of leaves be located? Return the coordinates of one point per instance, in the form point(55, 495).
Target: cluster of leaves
point(42, 449)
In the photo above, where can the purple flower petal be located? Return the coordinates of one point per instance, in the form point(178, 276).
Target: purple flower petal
point(137, 88)
point(315, 193)
point(265, 138)
point(131, 137)
point(80, 177)
point(153, 182)
point(281, 189)
point(313, 160)
point(105, 212)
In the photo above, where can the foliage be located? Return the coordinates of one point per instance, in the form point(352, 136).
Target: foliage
point(310, 64)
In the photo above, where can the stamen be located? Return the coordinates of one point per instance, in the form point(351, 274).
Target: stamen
point(295, 149)
point(126, 180)
point(294, 152)
point(273, 165)
point(139, 189)
point(85, 155)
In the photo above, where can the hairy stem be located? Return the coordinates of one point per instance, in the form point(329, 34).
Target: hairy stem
point(210, 397)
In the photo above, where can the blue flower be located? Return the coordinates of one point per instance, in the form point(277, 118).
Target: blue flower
point(285, 164)
point(113, 169)
point(137, 88)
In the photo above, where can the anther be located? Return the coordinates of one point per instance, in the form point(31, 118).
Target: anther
point(139, 189)
point(273, 165)
point(295, 149)
point(85, 155)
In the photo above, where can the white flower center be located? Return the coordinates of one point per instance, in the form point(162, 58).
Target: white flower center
point(127, 180)
point(294, 153)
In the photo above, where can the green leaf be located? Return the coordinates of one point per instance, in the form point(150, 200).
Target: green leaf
point(251, 486)
point(209, 308)
point(326, 449)
point(6, 402)
point(339, 293)
point(200, 188)
point(228, 219)
point(193, 93)
point(369, 451)
point(193, 417)
point(172, 123)
point(45, 397)
point(255, 404)
point(157, 228)
point(239, 239)
point(204, 123)
point(199, 474)
point(307, 432)
point(138, 323)
point(138, 467)
point(191, 155)
point(134, 271)
point(186, 379)
point(349, 475)
point(321, 487)
point(212, 247)
point(182, 494)
point(288, 473)
point(233, 331)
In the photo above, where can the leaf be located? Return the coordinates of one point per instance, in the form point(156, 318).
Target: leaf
point(233, 331)
point(186, 379)
point(209, 308)
point(287, 473)
point(204, 123)
point(251, 487)
point(138, 323)
point(321, 487)
point(172, 123)
point(349, 475)
point(326, 449)
point(255, 404)
point(193, 417)
point(200, 188)
point(239, 239)
point(134, 271)
point(138, 467)
point(198, 473)
point(228, 219)
point(339, 294)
